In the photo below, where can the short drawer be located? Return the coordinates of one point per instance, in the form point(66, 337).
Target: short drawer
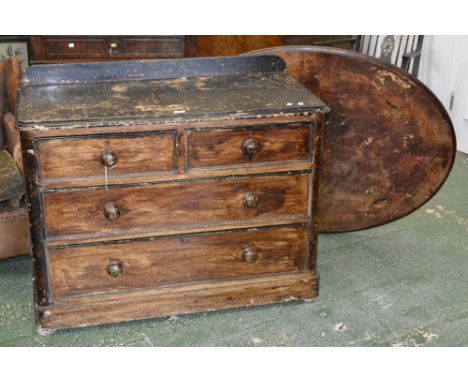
point(119, 46)
point(244, 145)
point(120, 210)
point(177, 260)
point(110, 156)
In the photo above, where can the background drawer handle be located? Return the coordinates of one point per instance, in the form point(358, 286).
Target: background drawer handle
point(250, 147)
point(250, 255)
point(108, 158)
point(111, 211)
point(114, 45)
point(250, 200)
point(115, 269)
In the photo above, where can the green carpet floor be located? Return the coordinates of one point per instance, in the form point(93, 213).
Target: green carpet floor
point(402, 284)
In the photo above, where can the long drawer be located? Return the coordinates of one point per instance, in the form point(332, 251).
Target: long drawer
point(177, 260)
point(101, 213)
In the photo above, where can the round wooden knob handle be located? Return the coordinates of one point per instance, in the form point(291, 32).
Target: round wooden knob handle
point(111, 211)
point(250, 255)
point(108, 158)
point(250, 147)
point(250, 200)
point(115, 269)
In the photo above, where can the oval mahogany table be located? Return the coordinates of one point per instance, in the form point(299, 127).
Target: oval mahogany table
point(389, 144)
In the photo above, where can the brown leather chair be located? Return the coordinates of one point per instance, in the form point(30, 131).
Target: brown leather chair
point(14, 224)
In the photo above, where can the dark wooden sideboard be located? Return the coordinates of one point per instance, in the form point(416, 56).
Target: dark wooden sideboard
point(56, 49)
point(62, 49)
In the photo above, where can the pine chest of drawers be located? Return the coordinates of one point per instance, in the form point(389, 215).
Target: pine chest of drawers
point(169, 187)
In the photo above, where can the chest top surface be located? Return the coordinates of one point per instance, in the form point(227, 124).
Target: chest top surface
point(169, 91)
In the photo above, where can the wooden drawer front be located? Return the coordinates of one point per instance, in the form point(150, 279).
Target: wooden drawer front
point(75, 47)
point(71, 47)
point(80, 158)
point(227, 146)
point(177, 260)
point(80, 214)
point(158, 47)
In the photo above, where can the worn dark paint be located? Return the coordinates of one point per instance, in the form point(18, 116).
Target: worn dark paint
point(163, 101)
point(389, 144)
point(150, 70)
point(36, 221)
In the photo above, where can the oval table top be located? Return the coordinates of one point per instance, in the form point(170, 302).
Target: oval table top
point(389, 143)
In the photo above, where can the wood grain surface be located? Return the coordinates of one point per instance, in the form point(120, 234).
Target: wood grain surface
point(80, 157)
point(216, 210)
point(12, 73)
point(220, 45)
point(389, 144)
point(80, 214)
point(224, 147)
point(65, 49)
point(177, 260)
point(126, 47)
point(182, 299)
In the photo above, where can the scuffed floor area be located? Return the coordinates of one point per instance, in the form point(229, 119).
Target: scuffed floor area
point(403, 284)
